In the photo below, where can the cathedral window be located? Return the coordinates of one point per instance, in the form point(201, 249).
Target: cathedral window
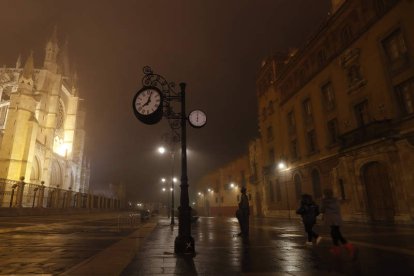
point(3, 114)
point(60, 116)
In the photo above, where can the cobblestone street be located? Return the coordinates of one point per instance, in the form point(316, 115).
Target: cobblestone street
point(53, 244)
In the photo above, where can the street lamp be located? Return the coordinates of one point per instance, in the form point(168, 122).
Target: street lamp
point(152, 102)
point(162, 150)
point(283, 168)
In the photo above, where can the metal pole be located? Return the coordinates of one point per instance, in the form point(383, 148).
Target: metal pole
point(184, 243)
point(172, 187)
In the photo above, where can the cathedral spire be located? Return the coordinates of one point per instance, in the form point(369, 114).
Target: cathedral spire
point(51, 52)
point(64, 59)
point(19, 61)
point(28, 67)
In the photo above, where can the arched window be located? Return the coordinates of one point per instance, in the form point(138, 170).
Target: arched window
point(35, 172)
point(56, 175)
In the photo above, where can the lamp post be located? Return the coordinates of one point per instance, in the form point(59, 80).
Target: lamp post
point(283, 168)
point(150, 104)
point(172, 139)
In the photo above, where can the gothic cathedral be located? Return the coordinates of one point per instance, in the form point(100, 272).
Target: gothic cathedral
point(42, 132)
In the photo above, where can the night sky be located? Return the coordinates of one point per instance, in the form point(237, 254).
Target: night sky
point(215, 46)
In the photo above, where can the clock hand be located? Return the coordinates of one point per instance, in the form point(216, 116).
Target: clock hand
point(148, 100)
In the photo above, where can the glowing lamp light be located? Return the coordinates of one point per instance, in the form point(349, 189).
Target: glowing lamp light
point(232, 185)
point(161, 150)
point(61, 148)
point(281, 165)
point(162, 180)
point(163, 189)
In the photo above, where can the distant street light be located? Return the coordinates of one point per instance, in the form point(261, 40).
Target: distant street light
point(283, 168)
point(163, 150)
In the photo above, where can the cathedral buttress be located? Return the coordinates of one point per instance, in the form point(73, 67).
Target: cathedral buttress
point(17, 148)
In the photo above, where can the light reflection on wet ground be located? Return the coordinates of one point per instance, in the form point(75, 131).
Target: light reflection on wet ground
point(51, 245)
point(275, 247)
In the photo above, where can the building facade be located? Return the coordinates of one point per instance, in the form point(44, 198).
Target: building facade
point(218, 193)
point(339, 113)
point(42, 132)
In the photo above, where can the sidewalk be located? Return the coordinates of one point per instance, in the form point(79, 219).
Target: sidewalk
point(275, 247)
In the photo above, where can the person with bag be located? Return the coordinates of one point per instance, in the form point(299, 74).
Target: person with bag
point(309, 210)
point(332, 216)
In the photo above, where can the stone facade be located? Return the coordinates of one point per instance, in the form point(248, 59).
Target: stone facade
point(218, 192)
point(41, 125)
point(340, 113)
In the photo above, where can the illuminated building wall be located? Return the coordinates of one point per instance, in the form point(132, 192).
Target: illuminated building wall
point(340, 112)
point(218, 192)
point(41, 127)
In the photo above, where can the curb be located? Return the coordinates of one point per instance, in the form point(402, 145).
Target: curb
point(114, 259)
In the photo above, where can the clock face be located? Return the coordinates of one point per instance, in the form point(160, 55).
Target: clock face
point(147, 101)
point(197, 118)
point(147, 105)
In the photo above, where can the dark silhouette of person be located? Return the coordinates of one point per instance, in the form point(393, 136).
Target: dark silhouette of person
point(243, 214)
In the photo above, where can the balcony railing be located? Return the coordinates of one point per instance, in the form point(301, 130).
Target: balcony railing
point(366, 133)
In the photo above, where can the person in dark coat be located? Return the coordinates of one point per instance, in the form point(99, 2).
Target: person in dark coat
point(309, 210)
point(243, 214)
point(331, 211)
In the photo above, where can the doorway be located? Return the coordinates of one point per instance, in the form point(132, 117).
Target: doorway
point(379, 193)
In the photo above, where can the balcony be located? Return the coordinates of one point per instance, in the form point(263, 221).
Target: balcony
point(366, 133)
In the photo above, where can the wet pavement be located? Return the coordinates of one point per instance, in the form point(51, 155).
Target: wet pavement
point(275, 247)
point(115, 244)
point(54, 244)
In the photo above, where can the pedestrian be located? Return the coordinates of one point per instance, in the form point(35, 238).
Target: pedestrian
point(243, 214)
point(309, 210)
point(332, 216)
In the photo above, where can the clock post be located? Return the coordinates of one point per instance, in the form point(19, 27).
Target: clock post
point(151, 103)
point(184, 243)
